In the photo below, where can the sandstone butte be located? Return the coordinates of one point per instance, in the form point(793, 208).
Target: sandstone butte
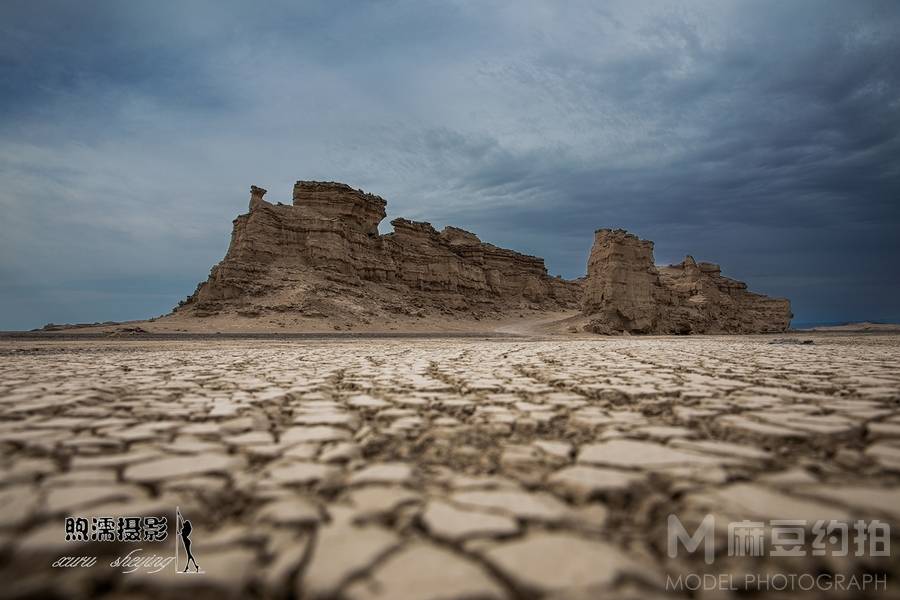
point(625, 292)
point(323, 258)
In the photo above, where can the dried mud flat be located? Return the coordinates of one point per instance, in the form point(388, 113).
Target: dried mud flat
point(440, 468)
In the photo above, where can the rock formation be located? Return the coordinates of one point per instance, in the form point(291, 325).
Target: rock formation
point(324, 257)
point(625, 292)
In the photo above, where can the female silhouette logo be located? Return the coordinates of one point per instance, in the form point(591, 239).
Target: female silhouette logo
point(184, 531)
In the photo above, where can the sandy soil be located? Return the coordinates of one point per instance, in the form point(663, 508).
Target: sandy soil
point(568, 323)
point(863, 327)
point(524, 322)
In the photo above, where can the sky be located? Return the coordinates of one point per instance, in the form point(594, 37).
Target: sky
point(761, 135)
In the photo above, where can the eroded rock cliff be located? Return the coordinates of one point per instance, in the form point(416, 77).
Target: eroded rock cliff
point(323, 256)
point(625, 292)
point(322, 259)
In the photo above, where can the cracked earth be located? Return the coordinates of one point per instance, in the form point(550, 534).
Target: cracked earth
point(445, 468)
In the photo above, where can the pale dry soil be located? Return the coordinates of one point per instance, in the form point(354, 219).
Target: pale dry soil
point(441, 468)
point(519, 321)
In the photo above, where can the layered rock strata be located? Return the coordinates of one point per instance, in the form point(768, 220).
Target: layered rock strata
point(324, 254)
point(625, 292)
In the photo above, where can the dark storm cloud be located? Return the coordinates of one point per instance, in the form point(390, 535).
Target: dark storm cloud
point(761, 135)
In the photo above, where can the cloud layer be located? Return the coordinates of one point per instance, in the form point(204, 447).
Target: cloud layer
point(761, 135)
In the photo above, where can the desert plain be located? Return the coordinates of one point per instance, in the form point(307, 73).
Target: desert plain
point(457, 466)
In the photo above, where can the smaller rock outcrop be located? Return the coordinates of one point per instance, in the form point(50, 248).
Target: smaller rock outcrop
point(256, 196)
point(623, 288)
point(626, 292)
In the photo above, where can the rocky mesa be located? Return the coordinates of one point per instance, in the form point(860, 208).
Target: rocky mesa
point(626, 292)
point(323, 257)
point(321, 262)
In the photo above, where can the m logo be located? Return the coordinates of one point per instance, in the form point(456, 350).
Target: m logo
point(705, 534)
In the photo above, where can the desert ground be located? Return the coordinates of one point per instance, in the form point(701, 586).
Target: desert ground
point(444, 467)
point(522, 321)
